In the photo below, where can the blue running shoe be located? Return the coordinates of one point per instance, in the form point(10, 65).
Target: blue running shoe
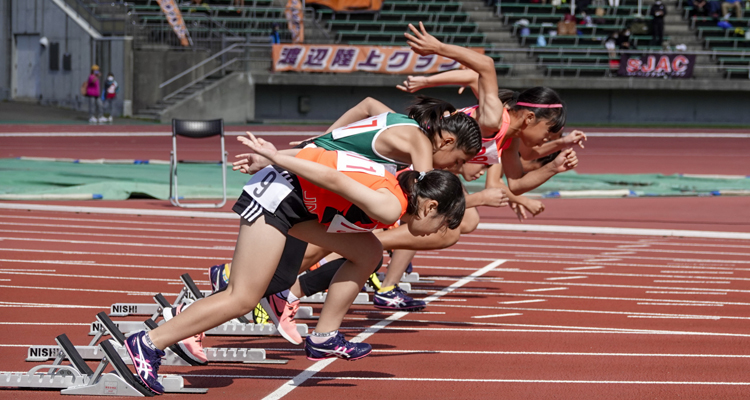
point(398, 300)
point(336, 346)
point(219, 277)
point(146, 361)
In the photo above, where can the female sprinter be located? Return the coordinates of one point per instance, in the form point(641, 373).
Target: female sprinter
point(312, 197)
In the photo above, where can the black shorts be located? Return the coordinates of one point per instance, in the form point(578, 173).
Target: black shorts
point(291, 210)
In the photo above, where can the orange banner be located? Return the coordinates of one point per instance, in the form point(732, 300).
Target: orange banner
point(295, 18)
point(346, 59)
point(349, 5)
point(174, 16)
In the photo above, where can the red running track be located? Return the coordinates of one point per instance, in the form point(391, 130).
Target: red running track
point(564, 316)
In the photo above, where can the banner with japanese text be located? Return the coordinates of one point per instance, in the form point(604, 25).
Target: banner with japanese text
point(672, 65)
point(174, 17)
point(346, 59)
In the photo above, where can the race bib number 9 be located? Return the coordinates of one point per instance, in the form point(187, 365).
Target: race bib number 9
point(269, 188)
point(370, 124)
point(339, 224)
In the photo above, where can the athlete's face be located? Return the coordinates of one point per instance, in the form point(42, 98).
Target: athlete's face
point(472, 172)
point(447, 156)
point(537, 132)
point(427, 221)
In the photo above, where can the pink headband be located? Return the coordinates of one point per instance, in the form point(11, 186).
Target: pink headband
point(539, 105)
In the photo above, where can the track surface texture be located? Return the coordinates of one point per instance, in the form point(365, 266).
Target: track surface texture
point(512, 314)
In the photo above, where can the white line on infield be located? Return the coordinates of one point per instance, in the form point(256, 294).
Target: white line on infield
point(290, 385)
point(482, 225)
point(497, 315)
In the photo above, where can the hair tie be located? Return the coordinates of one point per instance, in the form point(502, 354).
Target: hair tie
point(421, 176)
point(539, 105)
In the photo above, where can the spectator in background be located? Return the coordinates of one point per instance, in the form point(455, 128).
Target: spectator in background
point(623, 40)
point(93, 90)
point(700, 8)
point(614, 3)
point(727, 4)
point(275, 38)
point(657, 12)
point(611, 44)
point(108, 95)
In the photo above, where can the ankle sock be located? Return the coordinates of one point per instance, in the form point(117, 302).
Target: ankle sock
point(384, 289)
point(319, 338)
point(147, 341)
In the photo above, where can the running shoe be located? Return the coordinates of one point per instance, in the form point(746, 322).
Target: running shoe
point(189, 349)
point(219, 277)
point(260, 316)
point(336, 346)
point(397, 299)
point(146, 361)
point(409, 269)
point(282, 314)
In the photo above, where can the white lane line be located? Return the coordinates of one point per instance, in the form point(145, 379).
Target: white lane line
point(127, 292)
point(496, 315)
point(673, 317)
point(132, 278)
point(482, 225)
point(600, 252)
point(581, 268)
point(226, 133)
point(46, 305)
point(580, 311)
point(702, 272)
point(534, 353)
point(522, 301)
point(598, 260)
point(101, 253)
point(112, 235)
point(161, 246)
point(577, 240)
point(308, 373)
point(712, 282)
point(707, 293)
point(681, 304)
point(560, 296)
point(619, 253)
point(136, 221)
point(120, 228)
point(561, 278)
point(95, 264)
point(545, 289)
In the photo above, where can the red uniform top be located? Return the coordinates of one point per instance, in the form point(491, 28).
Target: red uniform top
point(492, 147)
point(338, 213)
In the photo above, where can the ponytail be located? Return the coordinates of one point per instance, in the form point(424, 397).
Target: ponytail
point(435, 116)
point(441, 186)
point(541, 96)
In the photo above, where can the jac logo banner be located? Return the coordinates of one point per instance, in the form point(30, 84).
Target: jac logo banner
point(672, 65)
point(346, 59)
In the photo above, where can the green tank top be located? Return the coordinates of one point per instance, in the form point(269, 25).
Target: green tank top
point(359, 137)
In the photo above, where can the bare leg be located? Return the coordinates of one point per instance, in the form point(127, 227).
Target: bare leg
point(398, 265)
point(256, 256)
point(363, 253)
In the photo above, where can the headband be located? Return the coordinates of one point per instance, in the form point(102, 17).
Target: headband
point(539, 105)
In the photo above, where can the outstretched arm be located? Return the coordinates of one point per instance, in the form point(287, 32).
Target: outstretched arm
point(460, 77)
point(573, 138)
point(380, 204)
point(520, 182)
point(490, 112)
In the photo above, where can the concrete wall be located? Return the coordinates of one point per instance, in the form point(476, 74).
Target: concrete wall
point(43, 18)
point(231, 98)
point(619, 106)
point(151, 67)
point(5, 49)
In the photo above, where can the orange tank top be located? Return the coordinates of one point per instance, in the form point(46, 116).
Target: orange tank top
point(492, 147)
point(339, 214)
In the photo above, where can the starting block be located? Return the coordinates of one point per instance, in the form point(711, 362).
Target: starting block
point(362, 298)
point(78, 379)
point(407, 278)
point(93, 352)
point(188, 293)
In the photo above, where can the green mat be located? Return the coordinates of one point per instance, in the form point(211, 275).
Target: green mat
point(54, 180)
